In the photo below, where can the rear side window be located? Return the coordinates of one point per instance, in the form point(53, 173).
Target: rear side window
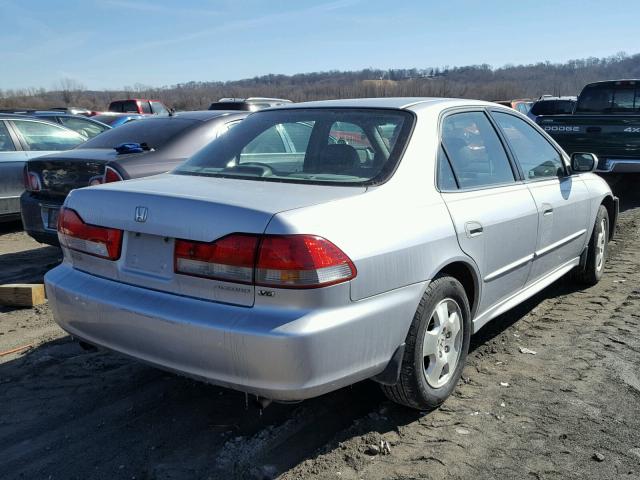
point(476, 154)
point(45, 137)
point(6, 144)
point(533, 152)
point(446, 178)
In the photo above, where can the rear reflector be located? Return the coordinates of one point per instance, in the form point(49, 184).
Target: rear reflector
point(284, 261)
point(101, 242)
point(301, 261)
point(111, 175)
point(230, 258)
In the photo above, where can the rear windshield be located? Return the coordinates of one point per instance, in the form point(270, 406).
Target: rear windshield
point(553, 107)
point(155, 132)
point(335, 146)
point(609, 98)
point(124, 106)
point(230, 106)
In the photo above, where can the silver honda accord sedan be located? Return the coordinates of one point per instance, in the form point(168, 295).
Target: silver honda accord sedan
point(319, 244)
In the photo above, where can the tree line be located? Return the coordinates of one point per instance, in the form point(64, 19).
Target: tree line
point(473, 81)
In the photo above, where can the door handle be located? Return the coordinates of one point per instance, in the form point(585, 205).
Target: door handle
point(547, 209)
point(473, 229)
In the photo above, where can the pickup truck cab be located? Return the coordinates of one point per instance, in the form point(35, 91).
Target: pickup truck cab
point(606, 121)
point(141, 106)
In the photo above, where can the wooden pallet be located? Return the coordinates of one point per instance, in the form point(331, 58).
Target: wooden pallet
point(22, 294)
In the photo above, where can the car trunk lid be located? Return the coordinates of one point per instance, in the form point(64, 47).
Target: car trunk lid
point(154, 212)
point(62, 172)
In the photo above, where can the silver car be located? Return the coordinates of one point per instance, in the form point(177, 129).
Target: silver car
point(22, 138)
point(319, 244)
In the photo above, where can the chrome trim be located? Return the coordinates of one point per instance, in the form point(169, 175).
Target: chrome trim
point(507, 268)
point(559, 243)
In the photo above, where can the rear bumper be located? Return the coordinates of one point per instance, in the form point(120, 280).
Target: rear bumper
point(619, 165)
point(31, 211)
point(278, 353)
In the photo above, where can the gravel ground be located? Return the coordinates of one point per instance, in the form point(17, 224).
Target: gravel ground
point(571, 410)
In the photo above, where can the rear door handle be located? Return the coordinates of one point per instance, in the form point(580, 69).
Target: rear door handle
point(473, 229)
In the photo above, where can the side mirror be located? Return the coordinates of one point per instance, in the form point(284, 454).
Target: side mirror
point(583, 162)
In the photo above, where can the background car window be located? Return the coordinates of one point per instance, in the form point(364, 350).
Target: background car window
point(82, 126)
point(125, 106)
point(446, 178)
point(344, 132)
point(299, 134)
point(146, 108)
point(269, 141)
point(158, 108)
point(6, 144)
point(475, 151)
point(42, 136)
point(534, 153)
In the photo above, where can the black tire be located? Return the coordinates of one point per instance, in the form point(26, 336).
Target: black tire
point(413, 389)
point(593, 268)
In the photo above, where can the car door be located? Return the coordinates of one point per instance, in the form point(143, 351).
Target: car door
point(494, 215)
point(12, 160)
point(562, 200)
point(39, 138)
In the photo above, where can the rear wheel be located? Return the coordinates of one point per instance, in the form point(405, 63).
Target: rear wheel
point(435, 348)
point(597, 250)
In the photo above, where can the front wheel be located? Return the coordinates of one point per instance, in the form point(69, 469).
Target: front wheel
point(436, 347)
point(597, 250)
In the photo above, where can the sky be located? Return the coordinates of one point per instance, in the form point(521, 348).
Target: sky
point(107, 44)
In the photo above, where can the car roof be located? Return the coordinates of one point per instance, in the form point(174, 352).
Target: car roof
point(404, 103)
point(23, 116)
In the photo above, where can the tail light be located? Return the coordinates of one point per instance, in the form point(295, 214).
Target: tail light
point(301, 261)
point(32, 181)
point(97, 241)
point(284, 261)
point(112, 175)
point(230, 258)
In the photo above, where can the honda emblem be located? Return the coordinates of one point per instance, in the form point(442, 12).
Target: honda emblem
point(141, 214)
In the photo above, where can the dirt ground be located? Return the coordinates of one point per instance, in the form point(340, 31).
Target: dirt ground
point(569, 411)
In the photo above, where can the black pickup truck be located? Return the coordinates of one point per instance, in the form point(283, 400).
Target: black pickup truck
point(606, 121)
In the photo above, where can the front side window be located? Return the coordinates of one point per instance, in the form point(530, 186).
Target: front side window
point(6, 144)
point(321, 145)
point(533, 152)
point(45, 137)
point(476, 154)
